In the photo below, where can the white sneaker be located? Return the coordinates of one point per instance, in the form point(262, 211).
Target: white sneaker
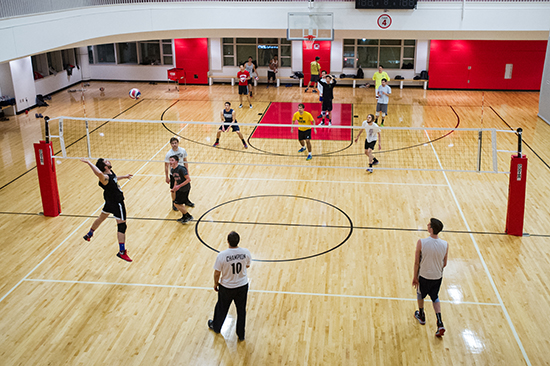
point(241, 106)
point(250, 106)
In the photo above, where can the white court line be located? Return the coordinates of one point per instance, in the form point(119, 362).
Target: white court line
point(305, 180)
point(505, 311)
point(74, 231)
point(251, 290)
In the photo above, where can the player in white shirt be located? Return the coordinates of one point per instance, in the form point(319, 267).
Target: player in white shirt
point(429, 261)
point(373, 134)
point(231, 283)
point(182, 156)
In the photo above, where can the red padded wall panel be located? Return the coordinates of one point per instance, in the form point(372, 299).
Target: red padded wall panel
point(192, 57)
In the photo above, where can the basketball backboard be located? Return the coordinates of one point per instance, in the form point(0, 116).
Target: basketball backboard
point(302, 25)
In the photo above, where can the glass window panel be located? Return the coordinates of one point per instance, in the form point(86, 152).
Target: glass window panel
point(228, 61)
point(149, 53)
point(167, 48)
point(168, 60)
point(349, 51)
point(349, 62)
point(285, 41)
point(105, 53)
point(349, 41)
point(243, 51)
point(390, 57)
point(369, 42)
point(228, 50)
point(246, 40)
point(265, 55)
point(408, 52)
point(227, 40)
point(286, 51)
point(127, 53)
point(367, 57)
point(268, 41)
point(410, 42)
point(390, 42)
point(285, 62)
point(408, 64)
point(90, 55)
point(167, 40)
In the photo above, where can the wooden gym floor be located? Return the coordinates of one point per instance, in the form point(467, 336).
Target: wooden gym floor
point(64, 301)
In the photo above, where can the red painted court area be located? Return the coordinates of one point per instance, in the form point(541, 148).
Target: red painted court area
point(281, 113)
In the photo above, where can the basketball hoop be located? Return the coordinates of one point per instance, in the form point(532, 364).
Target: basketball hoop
point(309, 41)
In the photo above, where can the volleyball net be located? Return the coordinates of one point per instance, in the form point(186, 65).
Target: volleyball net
point(403, 148)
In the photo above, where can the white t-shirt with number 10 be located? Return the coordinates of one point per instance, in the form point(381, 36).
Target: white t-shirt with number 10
point(232, 263)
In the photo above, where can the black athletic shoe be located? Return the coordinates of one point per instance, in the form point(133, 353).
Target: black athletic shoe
point(87, 237)
point(320, 116)
point(250, 94)
point(421, 319)
point(174, 207)
point(241, 339)
point(190, 204)
point(375, 161)
point(211, 325)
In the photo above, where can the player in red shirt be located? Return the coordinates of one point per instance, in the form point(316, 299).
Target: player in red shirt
point(243, 77)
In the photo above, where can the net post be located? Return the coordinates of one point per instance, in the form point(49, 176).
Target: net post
point(47, 129)
point(61, 138)
point(494, 143)
point(479, 146)
point(88, 140)
point(520, 132)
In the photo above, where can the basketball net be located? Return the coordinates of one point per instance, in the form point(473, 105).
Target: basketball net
point(309, 41)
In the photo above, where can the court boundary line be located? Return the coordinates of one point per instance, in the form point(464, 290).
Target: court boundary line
point(253, 290)
point(485, 267)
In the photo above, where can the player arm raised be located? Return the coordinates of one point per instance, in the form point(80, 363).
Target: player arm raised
point(417, 263)
point(216, 279)
point(104, 179)
point(127, 176)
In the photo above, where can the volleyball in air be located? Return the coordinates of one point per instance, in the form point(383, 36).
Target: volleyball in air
point(135, 93)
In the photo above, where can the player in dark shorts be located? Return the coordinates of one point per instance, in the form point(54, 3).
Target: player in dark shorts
point(181, 188)
point(114, 202)
point(328, 95)
point(229, 121)
point(244, 77)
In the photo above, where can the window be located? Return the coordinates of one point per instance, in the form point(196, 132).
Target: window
point(127, 53)
point(371, 53)
point(167, 56)
point(90, 54)
point(149, 53)
point(237, 50)
point(105, 53)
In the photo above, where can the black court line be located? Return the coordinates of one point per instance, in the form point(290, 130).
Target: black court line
point(522, 141)
point(103, 124)
point(280, 224)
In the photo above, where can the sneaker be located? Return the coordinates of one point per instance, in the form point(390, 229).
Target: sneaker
point(370, 170)
point(250, 94)
point(124, 255)
point(305, 91)
point(375, 161)
point(216, 144)
point(245, 146)
point(250, 106)
point(180, 220)
point(241, 339)
point(382, 124)
point(190, 204)
point(174, 208)
point(314, 91)
point(440, 331)
point(329, 123)
point(309, 157)
point(211, 325)
point(240, 106)
point(302, 149)
point(322, 123)
point(87, 237)
point(421, 319)
point(320, 116)
point(188, 217)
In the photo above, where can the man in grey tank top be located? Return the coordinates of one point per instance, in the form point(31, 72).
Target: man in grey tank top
point(429, 260)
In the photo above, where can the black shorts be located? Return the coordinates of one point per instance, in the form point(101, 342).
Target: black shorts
point(118, 209)
point(327, 105)
point(314, 78)
point(370, 145)
point(243, 89)
point(429, 287)
point(235, 127)
point(182, 196)
point(172, 181)
point(270, 75)
point(304, 135)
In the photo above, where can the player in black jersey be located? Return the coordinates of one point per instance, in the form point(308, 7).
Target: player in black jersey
point(114, 202)
point(229, 121)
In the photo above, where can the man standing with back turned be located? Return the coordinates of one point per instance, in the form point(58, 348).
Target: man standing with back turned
point(231, 265)
point(429, 260)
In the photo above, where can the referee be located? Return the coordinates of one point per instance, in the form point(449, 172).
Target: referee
point(231, 265)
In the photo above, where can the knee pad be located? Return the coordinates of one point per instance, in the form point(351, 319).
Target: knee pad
point(122, 227)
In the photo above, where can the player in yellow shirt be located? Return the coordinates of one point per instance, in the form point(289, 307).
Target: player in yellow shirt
point(315, 71)
point(377, 77)
point(305, 121)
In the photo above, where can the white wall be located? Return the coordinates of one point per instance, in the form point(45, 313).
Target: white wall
point(544, 96)
point(421, 56)
point(53, 83)
point(337, 56)
point(21, 36)
point(6, 83)
point(215, 54)
point(24, 89)
point(129, 72)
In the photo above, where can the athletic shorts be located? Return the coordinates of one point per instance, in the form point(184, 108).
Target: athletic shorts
point(172, 181)
point(182, 196)
point(327, 105)
point(382, 108)
point(304, 135)
point(370, 145)
point(118, 209)
point(235, 127)
point(270, 75)
point(429, 287)
point(314, 78)
point(243, 89)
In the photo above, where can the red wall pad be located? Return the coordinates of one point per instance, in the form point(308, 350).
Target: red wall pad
point(321, 49)
point(47, 179)
point(516, 195)
point(192, 57)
